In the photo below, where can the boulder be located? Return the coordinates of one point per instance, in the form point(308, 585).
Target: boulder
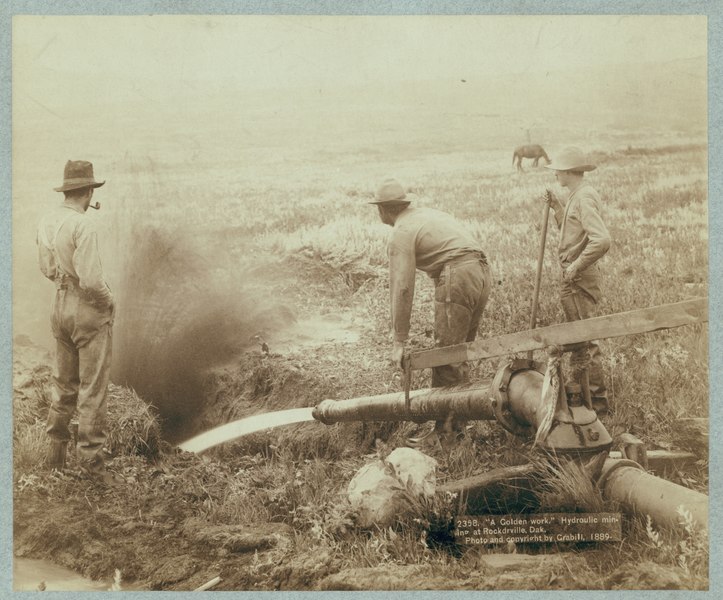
point(415, 470)
point(379, 490)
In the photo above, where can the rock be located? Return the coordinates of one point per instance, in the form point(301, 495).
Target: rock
point(375, 494)
point(415, 470)
point(379, 490)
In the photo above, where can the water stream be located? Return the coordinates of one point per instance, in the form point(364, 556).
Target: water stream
point(33, 574)
point(237, 429)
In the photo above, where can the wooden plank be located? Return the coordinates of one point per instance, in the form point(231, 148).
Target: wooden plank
point(662, 456)
point(643, 320)
point(661, 462)
point(658, 460)
point(487, 479)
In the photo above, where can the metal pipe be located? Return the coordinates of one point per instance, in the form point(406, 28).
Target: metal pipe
point(471, 401)
point(514, 399)
point(622, 481)
point(465, 402)
point(638, 491)
point(525, 393)
point(520, 409)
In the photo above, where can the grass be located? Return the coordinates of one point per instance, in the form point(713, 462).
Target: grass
point(567, 487)
point(134, 425)
point(316, 246)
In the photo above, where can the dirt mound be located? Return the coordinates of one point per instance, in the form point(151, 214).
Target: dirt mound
point(646, 576)
point(32, 374)
point(257, 384)
point(238, 538)
point(489, 572)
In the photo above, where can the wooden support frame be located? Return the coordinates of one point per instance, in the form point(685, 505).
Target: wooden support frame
point(644, 320)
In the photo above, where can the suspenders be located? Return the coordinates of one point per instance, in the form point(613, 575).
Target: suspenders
point(50, 245)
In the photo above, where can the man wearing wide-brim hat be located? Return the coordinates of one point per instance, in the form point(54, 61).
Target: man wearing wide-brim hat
point(584, 240)
point(81, 322)
point(436, 243)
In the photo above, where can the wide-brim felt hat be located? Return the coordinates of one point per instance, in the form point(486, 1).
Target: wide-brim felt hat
point(78, 174)
point(571, 159)
point(391, 192)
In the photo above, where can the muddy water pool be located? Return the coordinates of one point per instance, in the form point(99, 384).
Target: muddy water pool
point(30, 573)
point(314, 332)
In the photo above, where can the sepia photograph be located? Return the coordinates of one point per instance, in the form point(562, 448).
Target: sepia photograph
point(343, 302)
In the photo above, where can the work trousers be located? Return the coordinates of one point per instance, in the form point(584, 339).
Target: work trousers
point(578, 302)
point(83, 334)
point(461, 292)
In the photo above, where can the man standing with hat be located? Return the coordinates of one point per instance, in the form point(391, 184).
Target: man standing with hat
point(584, 239)
point(82, 319)
point(434, 242)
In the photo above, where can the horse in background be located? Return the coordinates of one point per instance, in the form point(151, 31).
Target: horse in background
point(534, 151)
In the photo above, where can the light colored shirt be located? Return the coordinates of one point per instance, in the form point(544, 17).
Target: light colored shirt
point(68, 245)
point(424, 239)
point(584, 239)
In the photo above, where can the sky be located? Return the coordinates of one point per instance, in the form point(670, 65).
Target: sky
point(279, 51)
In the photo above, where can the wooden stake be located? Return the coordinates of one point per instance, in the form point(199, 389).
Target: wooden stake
point(538, 278)
point(208, 584)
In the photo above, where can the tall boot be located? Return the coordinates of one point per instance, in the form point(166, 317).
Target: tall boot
point(55, 458)
point(95, 471)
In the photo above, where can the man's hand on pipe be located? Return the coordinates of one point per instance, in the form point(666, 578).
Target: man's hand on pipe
point(397, 354)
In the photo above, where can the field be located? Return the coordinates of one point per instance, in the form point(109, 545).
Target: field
point(206, 248)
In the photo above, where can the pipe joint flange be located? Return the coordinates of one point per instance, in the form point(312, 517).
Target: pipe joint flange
point(500, 399)
point(611, 466)
point(321, 412)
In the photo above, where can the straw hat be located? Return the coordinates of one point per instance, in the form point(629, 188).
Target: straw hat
point(78, 174)
point(390, 192)
point(570, 159)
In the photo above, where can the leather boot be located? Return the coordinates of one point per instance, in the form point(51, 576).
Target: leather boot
point(450, 431)
point(600, 405)
point(55, 458)
point(95, 471)
point(428, 441)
